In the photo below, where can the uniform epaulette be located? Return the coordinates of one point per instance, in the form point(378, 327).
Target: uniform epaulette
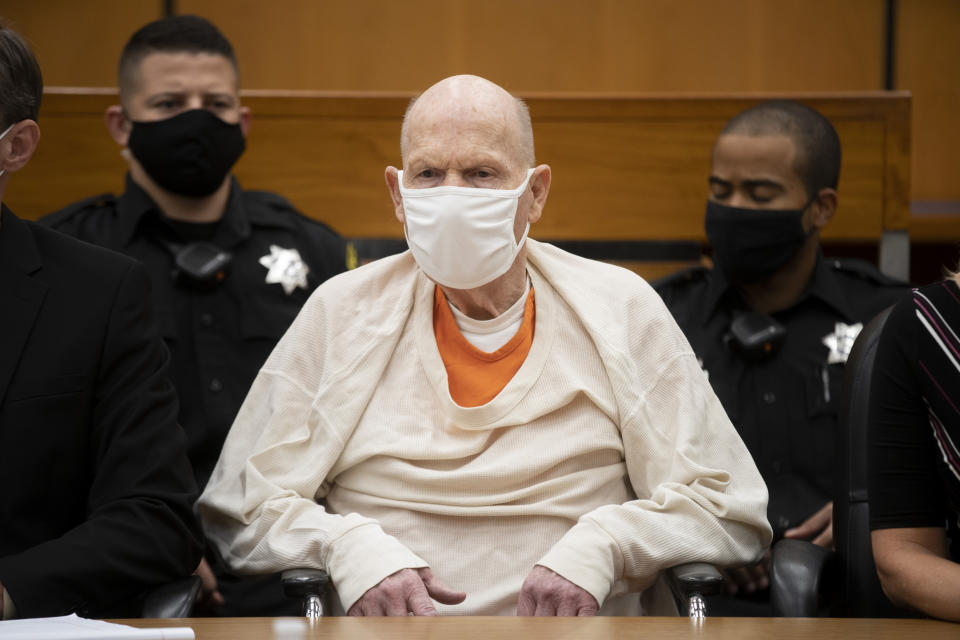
point(682, 277)
point(102, 201)
point(863, 270)
point(278, 203)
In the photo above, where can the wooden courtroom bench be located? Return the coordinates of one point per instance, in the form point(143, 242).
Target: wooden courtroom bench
point(629, 171)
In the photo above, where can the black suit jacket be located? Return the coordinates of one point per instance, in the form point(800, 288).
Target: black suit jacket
point(96, 493)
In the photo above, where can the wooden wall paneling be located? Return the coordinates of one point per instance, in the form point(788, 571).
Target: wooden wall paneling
point(363, 45)
point(76, 157)
point(898, 151)
point(605, 46)
point(328, 156)
point(79, 43)
point(691, 46)
point(927, 53)
point(624, 168)
point(648, 158)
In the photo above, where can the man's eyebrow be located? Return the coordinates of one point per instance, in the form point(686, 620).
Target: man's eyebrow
point(750, 184)
point(771, 184)
point(165, 94)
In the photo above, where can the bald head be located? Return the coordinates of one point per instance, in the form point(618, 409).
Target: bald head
point(467, 101)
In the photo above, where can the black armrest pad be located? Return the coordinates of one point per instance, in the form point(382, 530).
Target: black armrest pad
point(173, 600)
point(300, 583)
point(694, 577)
point(796, 575)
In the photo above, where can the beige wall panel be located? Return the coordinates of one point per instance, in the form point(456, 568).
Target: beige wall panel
point(78, 41)
point(928, 55)
point(556, 45)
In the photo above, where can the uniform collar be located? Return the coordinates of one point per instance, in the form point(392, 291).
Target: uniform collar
point(135, 206)
point(823, 285)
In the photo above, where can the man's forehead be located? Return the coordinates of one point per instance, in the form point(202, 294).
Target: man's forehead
point(461, 112)
point(459, 148)
point(754, 156)
point(440, 128)
point(166, 71)
point(455, 153)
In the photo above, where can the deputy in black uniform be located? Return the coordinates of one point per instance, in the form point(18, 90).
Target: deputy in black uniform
point(773, 323)
point(230, 268)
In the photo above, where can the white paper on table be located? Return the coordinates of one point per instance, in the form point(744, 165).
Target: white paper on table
point(73, 627)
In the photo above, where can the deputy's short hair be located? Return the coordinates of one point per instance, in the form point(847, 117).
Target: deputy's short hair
point(176, 34)
point(817, 143)
point(21, 85)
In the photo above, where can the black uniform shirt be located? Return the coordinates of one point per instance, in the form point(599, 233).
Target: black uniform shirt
point(218, 337)
point(784, 405)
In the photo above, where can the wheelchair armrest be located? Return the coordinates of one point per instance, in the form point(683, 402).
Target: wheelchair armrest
point(797, 570)
point(173, 600)
point(692, 581)
point(694, 578)
point(309, 585)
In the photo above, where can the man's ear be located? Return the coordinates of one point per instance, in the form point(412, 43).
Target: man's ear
point(392, 177)
point(117, 124)
point(245, 117)
point(18, 145)
point(540, 186)
point(824, 207)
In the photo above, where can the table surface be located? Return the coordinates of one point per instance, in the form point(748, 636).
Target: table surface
point(492, 628)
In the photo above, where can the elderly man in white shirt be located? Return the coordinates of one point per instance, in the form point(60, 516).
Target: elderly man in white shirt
point(484, 410)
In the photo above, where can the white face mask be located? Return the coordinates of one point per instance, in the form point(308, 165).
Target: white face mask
point(462, 237)
point(5, 132)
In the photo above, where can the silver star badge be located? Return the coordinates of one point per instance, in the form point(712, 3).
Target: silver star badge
point(285, 267)
point(840, 342)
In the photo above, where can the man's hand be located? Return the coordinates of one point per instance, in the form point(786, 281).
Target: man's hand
point(545, 593)
point(818, 528)
point(209, 595)
point(749, 579)
point(403, 592)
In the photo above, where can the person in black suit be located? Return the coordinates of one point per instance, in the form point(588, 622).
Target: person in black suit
point(96, 492)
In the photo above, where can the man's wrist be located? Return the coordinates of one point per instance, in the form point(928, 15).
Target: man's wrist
point(363, 557)
point(586, 556)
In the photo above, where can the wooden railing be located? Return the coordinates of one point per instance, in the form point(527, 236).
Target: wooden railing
point(626, 169)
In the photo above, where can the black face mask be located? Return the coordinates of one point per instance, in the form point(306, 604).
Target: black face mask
point(749, 244)
point(189, 154)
